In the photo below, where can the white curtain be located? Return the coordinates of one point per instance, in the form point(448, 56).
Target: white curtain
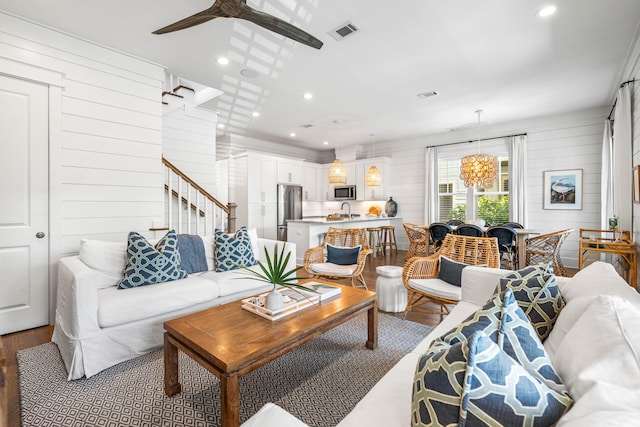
point(431, 185)
point(622, 160)
point(517, 178)
point(606, 179)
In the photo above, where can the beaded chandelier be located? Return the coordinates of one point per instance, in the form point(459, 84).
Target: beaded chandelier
point(478, 170)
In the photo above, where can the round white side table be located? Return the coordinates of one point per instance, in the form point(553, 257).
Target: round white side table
point(392, 295)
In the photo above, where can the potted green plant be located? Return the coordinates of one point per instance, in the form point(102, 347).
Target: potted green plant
point(275, 272)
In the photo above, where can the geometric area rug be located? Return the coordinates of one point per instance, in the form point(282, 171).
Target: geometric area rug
point(319, 382)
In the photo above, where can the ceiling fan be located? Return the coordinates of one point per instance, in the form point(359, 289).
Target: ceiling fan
point(239, 9)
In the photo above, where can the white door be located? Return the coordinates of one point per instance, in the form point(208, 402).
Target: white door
point(24, 242)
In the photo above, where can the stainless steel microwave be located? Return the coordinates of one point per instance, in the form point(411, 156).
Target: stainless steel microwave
point(344, 192)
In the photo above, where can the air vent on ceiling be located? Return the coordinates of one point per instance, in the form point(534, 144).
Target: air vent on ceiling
point(429, 94)
point(468, 126)
point(345, 30)
point(306, 125)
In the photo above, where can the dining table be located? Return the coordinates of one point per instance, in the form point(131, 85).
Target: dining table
point(522, 234)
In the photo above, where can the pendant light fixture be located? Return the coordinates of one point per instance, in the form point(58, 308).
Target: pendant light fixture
point(337, 170)
point(478, 170)
point(373, 178)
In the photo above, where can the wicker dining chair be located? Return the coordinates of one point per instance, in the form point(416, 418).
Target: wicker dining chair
point(438, 231)
point(546, 248)
point(469, 230)
point(418, 241)
point(506, 243)
point(315, 259)
point(513, 225)
point(420, 274)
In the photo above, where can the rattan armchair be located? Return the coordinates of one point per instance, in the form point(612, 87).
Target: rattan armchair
point(418, 240)
point(546, 248)
point(315, 261)
point(469, 250)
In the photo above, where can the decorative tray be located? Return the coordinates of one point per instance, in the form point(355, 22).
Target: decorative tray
point(297, 300)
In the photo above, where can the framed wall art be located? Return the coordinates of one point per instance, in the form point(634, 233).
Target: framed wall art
point(636, 184)
point(563, 189)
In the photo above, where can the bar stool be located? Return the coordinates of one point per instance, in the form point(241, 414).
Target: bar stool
point(375, 240)
point(388, 238)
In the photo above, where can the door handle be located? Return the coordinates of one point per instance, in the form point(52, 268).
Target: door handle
point(40, 235)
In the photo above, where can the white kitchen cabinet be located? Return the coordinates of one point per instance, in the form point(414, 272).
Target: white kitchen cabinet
point(253, 187)
point(311, 176)
point(263, 217)
point(325, 189)
point(289, 171)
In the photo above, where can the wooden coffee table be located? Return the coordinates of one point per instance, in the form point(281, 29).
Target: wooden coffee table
point(231, 342)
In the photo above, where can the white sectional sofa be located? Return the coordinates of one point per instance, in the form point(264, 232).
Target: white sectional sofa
point(594, 347)
point(98, 325)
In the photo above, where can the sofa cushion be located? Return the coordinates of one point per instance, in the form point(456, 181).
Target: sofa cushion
point(193, 258)
point(109, 258)
point(479, 283)
point(597, 279)
point(602, 347)
point(475, 382)
point(116, 307)
point(333, 269)
point(148, 264)
point(342, 256)
point(505, 323)
point(234, 281)
point(451, 271)
point(437, 288)
point(539, 297)
point(233, 250)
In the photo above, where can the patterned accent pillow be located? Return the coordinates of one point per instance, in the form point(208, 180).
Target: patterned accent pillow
point(474, 382)
point(532, 270)
point(539, 297)
point(233, 251)
point(502, 320)
point(148, 264)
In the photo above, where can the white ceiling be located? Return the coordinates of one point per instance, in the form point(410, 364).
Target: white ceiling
point(492, 54)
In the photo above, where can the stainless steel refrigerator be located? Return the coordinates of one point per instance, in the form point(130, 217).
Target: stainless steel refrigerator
point(289, 207)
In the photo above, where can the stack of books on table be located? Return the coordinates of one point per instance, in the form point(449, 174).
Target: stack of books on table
point(325, 291)
point(297, 300)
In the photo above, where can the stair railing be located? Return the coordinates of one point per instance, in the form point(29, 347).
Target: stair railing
point(189, 208)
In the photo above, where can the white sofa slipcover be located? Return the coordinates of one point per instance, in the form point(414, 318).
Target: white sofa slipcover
point(98, 325)
point(605, 385)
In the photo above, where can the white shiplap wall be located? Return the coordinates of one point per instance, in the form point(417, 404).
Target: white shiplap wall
point(189, 142)
point(566, 141)
point(105, 137)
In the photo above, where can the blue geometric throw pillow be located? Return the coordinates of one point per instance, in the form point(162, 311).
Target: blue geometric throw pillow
point(539, 297)
point(233, 251)
point(475, 383)
point(502, 320)
point(148, 264)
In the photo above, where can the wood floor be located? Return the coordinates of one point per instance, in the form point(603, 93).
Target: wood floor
point(33, 337)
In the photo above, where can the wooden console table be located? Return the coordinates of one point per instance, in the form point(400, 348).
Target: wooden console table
point(596, 242)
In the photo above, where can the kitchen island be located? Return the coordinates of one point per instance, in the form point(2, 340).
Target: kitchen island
point(307, 233)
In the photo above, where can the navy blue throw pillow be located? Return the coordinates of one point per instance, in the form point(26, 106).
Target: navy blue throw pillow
point(451, 271)
point(342, 256)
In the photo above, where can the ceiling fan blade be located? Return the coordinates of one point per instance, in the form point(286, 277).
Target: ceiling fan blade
point(197, 19)
point(279, 26)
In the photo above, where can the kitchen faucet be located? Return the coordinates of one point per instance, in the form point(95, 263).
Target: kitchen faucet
point(348, 205)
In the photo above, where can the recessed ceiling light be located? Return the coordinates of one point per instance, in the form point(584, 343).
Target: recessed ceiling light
point(220, 126)
point(292, 135)
point(255, 114)
point(308, 95)
point(223, 60)
point(249, 73)
point(326, 143)
point(547, 11)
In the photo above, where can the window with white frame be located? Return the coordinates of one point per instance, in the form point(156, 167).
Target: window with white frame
point(455, 201)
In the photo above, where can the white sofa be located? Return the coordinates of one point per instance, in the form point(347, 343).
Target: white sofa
point(594, 346)
point(98, 325)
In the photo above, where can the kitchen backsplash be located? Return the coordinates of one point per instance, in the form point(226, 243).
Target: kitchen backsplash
point(325, 208)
